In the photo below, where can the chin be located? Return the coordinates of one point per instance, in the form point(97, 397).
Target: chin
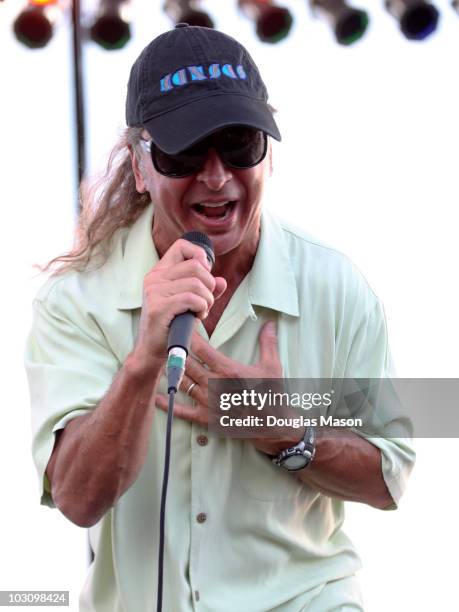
point(224, 245)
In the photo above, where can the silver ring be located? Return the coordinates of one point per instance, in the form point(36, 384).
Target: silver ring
point(190, 388)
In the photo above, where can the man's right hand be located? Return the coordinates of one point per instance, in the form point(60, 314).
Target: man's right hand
point(98, 456)
point(179, 282)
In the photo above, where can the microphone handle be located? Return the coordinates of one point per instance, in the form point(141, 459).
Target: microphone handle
point(181, 330)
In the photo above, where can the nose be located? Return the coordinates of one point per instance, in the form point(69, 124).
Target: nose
point(214, 173)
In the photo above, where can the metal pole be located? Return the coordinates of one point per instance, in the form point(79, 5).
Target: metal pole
point(79, 97)
point(80, 130)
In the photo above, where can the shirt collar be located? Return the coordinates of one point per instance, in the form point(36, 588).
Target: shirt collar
point(271, 280)
point(138, 258)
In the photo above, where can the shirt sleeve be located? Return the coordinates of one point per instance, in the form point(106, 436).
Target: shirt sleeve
point(369, 358)
point(69, 369)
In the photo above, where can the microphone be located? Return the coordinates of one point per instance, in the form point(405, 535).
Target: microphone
point(181, 328)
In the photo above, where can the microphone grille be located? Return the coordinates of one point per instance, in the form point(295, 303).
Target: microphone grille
point(202, 240)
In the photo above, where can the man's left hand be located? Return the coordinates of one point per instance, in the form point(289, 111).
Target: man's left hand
point(206, 363)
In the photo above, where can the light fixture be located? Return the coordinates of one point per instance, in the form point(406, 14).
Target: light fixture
point(187, 11)
point(273, 22)
point(110, 28)
point(349, 24)
point(35, 23)
point(417, 19)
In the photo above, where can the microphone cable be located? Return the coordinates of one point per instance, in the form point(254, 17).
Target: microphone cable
point(175, 369)
point(178, 347)
point(162, 517)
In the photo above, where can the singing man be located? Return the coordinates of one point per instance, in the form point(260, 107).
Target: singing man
point(249, 528)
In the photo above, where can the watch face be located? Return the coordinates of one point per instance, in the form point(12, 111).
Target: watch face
point(295, 462)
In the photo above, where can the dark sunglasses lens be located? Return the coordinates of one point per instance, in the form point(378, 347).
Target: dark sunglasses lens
point(183, 164)
point(242, 147)
point(238, 147)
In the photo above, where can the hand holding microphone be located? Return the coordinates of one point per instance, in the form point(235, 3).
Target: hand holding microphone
point(179, 283)
point(181, 329)
point(179, 288)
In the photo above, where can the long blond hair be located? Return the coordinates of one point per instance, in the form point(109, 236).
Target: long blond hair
point(108, 203)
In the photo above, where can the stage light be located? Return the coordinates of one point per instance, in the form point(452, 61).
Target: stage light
point(349, 24)
point(273, 22)
point(417, 18)
point(187, 11)
point(34, 25)
point(111, 29)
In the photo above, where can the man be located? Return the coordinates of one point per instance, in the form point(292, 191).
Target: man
point(241, 532)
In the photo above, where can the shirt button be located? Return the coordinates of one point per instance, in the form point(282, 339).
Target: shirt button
point(202, 517)
point(202, 440)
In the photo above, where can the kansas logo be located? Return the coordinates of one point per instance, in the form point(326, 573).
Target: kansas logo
point(184, 76)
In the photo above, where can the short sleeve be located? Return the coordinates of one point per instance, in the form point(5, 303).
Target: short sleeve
point(369, 358)
point(69, 368)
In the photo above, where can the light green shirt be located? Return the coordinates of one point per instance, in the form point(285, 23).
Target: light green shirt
point(268, 541)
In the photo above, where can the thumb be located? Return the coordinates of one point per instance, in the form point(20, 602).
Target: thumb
point(220, 287)
point(268, 343)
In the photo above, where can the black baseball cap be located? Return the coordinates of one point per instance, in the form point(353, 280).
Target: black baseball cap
point(192, 81)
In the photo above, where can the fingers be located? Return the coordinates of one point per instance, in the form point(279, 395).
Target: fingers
point(183, 302)
point(198, 391)
point(184, 259)
point(218, 363)
point(191, 268)
point(194, 268)
point(220, 287)
point(173, 276)
point(269, 365)
point(179, 282)
point(190, 292)
point(196, 371)
point(196, 414)
point(269, 349)
point(182, 250)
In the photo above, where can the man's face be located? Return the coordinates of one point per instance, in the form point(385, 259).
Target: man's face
point(180, 203)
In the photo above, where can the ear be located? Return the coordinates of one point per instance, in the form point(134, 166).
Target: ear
point(137, 169)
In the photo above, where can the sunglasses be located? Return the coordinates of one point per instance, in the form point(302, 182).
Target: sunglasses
point(238, 147)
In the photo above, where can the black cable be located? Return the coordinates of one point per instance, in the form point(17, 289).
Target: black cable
point(162, 516)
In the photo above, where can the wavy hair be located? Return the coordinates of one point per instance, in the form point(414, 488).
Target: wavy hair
point(108, 203)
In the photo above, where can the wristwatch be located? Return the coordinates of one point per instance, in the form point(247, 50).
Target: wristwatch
point(299, 456)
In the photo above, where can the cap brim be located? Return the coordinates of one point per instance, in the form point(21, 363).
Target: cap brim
point(182, 127)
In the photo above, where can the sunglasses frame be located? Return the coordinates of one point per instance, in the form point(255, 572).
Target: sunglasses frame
point(150, 147)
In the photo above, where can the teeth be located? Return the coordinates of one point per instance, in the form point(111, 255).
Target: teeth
point(214, 204)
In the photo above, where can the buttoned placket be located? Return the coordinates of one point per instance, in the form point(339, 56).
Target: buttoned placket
point(139, 256)
point(203, 449)
point(200, 455)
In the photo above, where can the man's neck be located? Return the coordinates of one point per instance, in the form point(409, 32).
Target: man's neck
point(233, 268)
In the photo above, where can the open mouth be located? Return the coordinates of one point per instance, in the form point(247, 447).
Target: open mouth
point(214, 210)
